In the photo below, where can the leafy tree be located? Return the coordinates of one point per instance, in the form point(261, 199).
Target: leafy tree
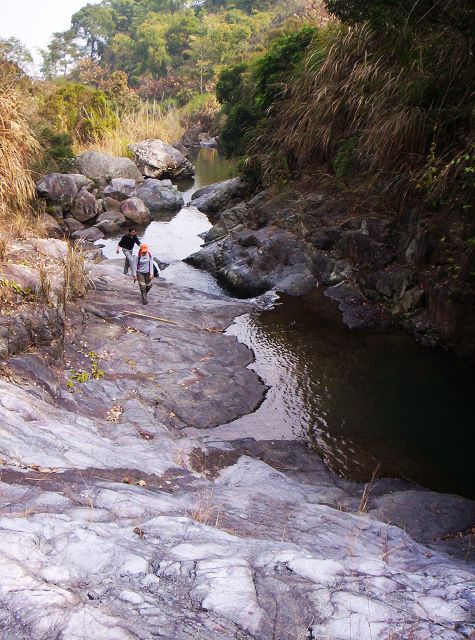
point(14, 51)
point(94, 24)
point(61, 53)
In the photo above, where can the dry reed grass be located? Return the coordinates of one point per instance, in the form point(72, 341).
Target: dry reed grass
point(149, 121)
point(353, 90)
point(76, 281)
point(18, 147)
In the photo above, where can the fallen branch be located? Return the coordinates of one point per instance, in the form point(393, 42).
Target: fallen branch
point(146, 315)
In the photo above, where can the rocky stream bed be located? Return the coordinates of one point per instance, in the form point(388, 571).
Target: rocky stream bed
point(115, 525)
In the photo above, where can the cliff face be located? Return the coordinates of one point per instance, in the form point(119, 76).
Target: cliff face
point(415, 269)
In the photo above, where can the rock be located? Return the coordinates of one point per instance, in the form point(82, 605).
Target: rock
point(207, 141)
point(52, 248)
point(159, 195)
point(110, 204)
point(90, 234)
point(110, 221)
point(135, 210)
point(357, 311)
point(95, 164)
point(73, 224)
point(62, 188)
point(56, 211)
point(84, 206)
point(52, 226)
point(156, 159)
point(120, 189)
point(252, 262)
point(182, 149)
point(226, 221)
point(220, 196)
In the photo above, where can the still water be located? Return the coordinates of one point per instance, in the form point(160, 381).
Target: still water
point(364, 399)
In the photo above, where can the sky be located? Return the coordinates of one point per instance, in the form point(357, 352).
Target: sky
point(34, 21)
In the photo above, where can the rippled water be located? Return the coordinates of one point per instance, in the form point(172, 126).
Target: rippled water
point(365, 399)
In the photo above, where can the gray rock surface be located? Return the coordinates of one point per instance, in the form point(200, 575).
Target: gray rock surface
point(252, 262)
point(72, 224)
point(220, 196)
point(95, 164)
point(157, 159)
point(120, 189)
point(62, 188)
point(110, 221)
point(159, 195)
point(90, 234)
point(135, 210)
point(84, 206)
point(110, 204)
point(115, 525)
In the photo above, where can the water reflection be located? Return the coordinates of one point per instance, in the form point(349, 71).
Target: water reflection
point(364, 399)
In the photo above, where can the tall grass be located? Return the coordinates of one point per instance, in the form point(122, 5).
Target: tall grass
point(400, 109)
point(150, 120)
point(18, 147)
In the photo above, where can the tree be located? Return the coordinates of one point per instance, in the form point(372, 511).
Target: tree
point(94, 24)
point(61, 53)
point(14, 51)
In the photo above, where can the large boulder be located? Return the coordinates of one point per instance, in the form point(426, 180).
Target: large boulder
point(52, 226)
point(157, 159)
point(62, 188)
point(159, 195)
point(84, 206)
point(110, 204)
point(95, 164)
point(252, 262)
point(135, 210)
point(120, 189)
point(110, 221)
point(91, 234)
point(220, 196)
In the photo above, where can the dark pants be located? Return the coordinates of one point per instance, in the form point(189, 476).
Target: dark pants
point(145, 284)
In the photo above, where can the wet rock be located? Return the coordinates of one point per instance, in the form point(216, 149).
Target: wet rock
point(226, 221)
point(84, 206)
point(62, 188)
point(159, 195)
point(135, 210)
point(182, 149)
point(156, 159)
point(251, 262)
point(110, 221)
point(120, 189)
point(357, 310)
point(220, 196)
point(90, 234)
point(95, 164)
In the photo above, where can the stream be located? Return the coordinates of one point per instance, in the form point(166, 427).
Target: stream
point(367, 400)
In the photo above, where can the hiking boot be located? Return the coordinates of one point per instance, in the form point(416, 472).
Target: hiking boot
point(144, 297)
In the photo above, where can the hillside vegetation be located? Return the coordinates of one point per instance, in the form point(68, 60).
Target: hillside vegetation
point(382, 100)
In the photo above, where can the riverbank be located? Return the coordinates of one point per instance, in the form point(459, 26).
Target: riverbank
point(117, 522)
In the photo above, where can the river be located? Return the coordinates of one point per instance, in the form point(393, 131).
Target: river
point(366, 400)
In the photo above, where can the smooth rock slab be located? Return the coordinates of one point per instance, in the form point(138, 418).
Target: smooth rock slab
point(220, 196)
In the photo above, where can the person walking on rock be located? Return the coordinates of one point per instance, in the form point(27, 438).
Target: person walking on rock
point(127, 243)
point(143, 271)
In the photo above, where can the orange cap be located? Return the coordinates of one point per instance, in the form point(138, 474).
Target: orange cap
point(143, 248)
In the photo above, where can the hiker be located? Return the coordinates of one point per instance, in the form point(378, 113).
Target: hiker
point(126, 243)
point(143, 271)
